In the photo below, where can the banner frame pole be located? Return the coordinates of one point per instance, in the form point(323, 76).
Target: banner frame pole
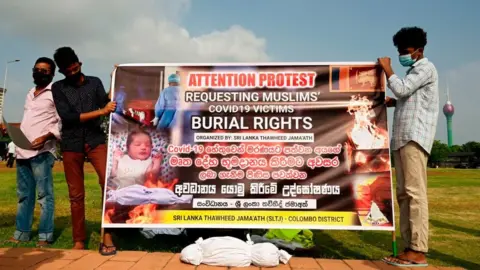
point(394, 244)
point(102, 233)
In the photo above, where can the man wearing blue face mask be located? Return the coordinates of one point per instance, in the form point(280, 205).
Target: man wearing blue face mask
point(414, 125)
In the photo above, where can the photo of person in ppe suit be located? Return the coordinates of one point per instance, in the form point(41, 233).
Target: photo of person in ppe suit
point(166, 106)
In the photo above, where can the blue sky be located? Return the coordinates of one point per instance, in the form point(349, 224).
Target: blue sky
point(346, 30)
point(276, 30)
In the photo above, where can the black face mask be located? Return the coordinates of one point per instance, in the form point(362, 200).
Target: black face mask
point(75, 78)
point(40, 79)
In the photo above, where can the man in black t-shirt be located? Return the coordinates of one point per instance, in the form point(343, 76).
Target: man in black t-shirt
point(81, 102)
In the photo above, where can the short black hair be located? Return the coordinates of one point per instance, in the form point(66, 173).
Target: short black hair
point(65, 57)
point(132, 135)
point(48, 61)
point(410, 37)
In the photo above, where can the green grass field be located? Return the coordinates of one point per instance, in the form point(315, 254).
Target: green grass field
point(454, 200)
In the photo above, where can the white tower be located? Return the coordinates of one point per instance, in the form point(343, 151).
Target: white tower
point(2, 96)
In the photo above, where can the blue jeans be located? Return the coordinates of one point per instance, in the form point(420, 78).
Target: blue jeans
point(35, 173)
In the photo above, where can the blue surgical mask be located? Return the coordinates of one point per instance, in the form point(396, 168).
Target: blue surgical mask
point(406, 59)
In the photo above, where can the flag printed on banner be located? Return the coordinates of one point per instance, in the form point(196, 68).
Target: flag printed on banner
point(356, 78)
point(340, 78)
point(249, 146)
point(365, 78)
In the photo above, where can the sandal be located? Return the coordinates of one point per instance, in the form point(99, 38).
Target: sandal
point(43, 244)
point(395, 261)
point(104, 247)
point(14, 241)
point(392, 256)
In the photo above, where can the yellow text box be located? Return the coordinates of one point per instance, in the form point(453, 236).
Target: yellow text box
point(314, 218)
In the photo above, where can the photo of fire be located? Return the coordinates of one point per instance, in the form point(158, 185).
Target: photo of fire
point(140, 214)
point(366, 149)
point(365, 134)
point(366, 161)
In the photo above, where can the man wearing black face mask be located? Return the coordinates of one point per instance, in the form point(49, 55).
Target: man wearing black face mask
point(41, 125)
point(81, 102)
point(42, 76)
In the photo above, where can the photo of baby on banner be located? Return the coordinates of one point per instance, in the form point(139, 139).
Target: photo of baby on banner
point(138, 170)
point(139, 177)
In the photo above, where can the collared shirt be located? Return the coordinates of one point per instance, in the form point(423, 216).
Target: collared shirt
point(416, 111)
point(39, 118)
point(71, 101)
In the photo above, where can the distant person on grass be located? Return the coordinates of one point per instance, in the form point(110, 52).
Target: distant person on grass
point(11, 154)
point(81, 102)
point(414, 125)
point(41, 125)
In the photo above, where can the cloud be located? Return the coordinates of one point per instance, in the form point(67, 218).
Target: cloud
point(149, 40)
point(104, 33)
point(126, 31)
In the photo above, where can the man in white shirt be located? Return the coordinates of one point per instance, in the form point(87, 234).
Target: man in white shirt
point(41, 125)
point(413, 134)
point(11, 155)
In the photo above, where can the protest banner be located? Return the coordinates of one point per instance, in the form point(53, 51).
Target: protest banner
point(249, 146)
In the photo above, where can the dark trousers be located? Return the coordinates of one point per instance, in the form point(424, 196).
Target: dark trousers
point(10, 160)
point(73, 163)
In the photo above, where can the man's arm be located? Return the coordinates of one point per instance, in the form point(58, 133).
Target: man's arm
point(56, 128)
point(84, 117)
point(403, 88)
point(101, 96)
point(69, 116)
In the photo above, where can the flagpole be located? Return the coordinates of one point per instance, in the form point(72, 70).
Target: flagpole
point(394, 244)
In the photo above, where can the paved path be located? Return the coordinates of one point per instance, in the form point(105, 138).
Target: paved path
point(51, 259)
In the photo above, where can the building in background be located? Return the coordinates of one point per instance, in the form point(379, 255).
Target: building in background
point(462, 160)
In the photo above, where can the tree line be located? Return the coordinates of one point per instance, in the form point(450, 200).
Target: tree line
point(441, 151)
